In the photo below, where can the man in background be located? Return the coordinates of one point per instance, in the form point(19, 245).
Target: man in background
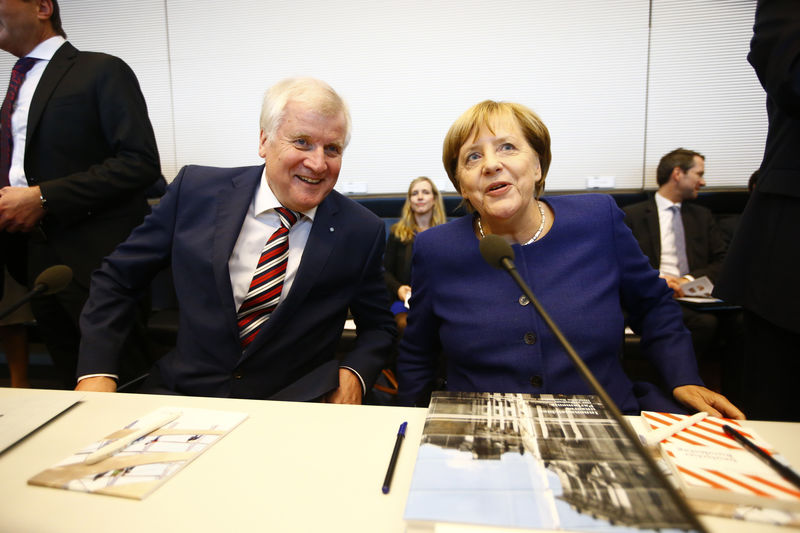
point(761, 270)
point(683, 242)
point(266, 260)
point(78, 152)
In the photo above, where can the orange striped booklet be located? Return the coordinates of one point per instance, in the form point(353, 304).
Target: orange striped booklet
point(710, 465)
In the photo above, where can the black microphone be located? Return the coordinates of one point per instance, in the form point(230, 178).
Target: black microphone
point(50, 281)
point(499, 254)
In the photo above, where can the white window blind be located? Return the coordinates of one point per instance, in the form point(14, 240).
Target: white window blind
point(703, 94)
point(619, 82)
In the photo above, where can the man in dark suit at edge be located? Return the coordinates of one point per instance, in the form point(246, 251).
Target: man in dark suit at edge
point(212, 226)
point(76, 160)
point(761, 270)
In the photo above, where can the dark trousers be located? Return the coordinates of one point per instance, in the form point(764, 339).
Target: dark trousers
point(772, 366)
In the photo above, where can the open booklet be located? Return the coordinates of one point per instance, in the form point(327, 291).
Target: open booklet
point(709, 466)
point(142, 466)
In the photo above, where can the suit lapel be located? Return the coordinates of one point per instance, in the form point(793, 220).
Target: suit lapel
point(232, 205)
point(321, 241)
point(61, 62)
point(690, 229)
point(654, 231)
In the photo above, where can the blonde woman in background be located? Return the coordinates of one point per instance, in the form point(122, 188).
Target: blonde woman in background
point(423, 209)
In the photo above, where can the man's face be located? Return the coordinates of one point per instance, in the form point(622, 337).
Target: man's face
point(690, 182)
point(304, 157)
point(19, 26)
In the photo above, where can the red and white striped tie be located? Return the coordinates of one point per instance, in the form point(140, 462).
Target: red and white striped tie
point(265, 289)
point(21, 68)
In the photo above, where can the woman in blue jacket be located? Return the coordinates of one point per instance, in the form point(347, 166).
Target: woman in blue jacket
point(576, 254)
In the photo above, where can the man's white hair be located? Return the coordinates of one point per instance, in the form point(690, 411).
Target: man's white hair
point(315, 93)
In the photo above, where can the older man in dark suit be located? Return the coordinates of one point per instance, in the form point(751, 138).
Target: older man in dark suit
point(266, 262)
point(761, 270)
point(78, 153)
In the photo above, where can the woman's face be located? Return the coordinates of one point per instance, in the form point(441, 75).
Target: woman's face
point(421, 197)
point(498, 171)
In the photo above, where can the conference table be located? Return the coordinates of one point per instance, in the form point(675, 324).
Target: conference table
point(288, 467)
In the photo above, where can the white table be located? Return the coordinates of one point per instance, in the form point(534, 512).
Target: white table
point(289, 467)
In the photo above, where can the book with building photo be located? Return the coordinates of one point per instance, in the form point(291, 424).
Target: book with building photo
point(544, 462)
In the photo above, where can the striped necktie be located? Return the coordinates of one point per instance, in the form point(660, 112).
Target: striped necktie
point(265, 289)
point(21, 67)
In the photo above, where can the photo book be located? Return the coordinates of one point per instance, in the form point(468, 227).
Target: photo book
point(541, 462)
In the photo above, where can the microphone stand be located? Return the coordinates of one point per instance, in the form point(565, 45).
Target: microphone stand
point(587, 375)
point(50, 281)
point(38, 289)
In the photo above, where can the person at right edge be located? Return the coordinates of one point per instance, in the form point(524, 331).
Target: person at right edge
point(761, 269)
point(578, 257)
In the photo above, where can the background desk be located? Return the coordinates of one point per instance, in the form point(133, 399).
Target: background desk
point(288, 467)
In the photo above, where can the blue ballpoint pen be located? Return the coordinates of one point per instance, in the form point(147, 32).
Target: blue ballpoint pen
point(387, 481)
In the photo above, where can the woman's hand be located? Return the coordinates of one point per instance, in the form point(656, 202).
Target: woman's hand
point(403, 292)
point(703, 399)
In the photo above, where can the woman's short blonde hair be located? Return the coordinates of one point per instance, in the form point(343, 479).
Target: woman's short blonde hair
point(484, 114)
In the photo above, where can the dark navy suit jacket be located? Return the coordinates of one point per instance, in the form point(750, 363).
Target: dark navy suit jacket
point(194, 229)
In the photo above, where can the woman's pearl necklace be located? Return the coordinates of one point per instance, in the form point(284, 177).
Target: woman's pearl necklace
point(535, 235)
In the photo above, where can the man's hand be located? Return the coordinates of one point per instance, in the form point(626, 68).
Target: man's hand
point(97, 384)
point(20, 208)
point(674, 284)
point(349, 390)
point(703, 399)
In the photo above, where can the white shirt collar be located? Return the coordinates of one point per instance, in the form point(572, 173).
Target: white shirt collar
point(265, 199)
point(47, 48)
point(664, 203)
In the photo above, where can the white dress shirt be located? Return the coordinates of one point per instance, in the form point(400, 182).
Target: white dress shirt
point(19, 117)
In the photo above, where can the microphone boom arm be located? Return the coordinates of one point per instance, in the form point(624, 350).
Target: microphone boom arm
point(499, 254)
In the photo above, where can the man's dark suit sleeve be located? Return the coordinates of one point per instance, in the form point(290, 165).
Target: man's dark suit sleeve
point(636, 216)
point(101, 86)
point(107, 318)
point(775, 54)
point(705, 245)
point(391, 266)
point(374, 323)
